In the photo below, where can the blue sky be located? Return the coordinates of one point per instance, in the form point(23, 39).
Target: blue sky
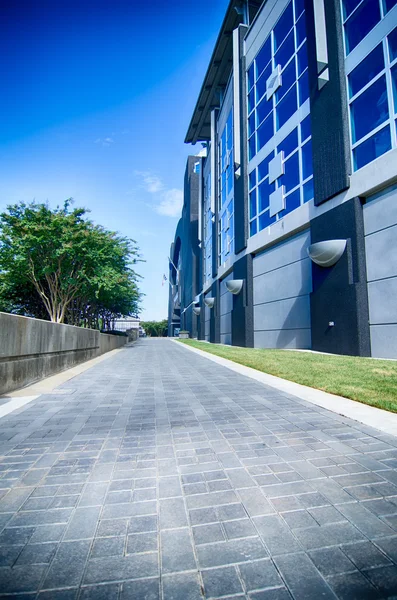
point(95, 104)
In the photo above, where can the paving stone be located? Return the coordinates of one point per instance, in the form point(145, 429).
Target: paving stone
point(107, 546)
point(172, 513)
point(176, 551)
point(205, 534)
point(9, 554)
point(239, 529)
point(260, 574)
point(145, 589)
point(100, 592)
point(353, 586)
point(181, 586)
point(220, 582)
point(302, 578)
point(365, 555)
point(25, 578)
point(276, 535)
point(143, 524)
point(83, 523)
point(331, 561)
point(118, 568)
point(142, 542)
point(230, 552)
point(68, 565)
point(48, 533)
point(37, 553)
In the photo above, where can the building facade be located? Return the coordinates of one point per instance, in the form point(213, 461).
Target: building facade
point(295, 237)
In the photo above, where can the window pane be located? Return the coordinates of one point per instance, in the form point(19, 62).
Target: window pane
point(263, 57)
point(265, 220)
point(388, 4)
point(302, 59)
point(375, 146)
point(288, 76)
point(264, 191)
point(286, 108)
point(291, 203)
point(300, 30)
point(251, 124)
point(261, 83)
point(251, 147)
point(305, 128)
point(299, 7)
point(230, 178)
point(263, 109)
point(349, 6)
point(263, 168)
point(283, 55)
point(251, 100)
point(307, 161)
point(360, 24)
point(252, 179)
point(392, 37)
point(303, 87)
point(308, 191)
point(253, 204)
point(265, 131)
point(283, 26)
point(369, 110)
point(253, 227)
point(366, 70)
point(289, 144)
point(394, 84)
point(251, 76)
point(291, 177)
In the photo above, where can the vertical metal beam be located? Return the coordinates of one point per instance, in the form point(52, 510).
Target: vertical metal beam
point(236, 102)
point(213, 159)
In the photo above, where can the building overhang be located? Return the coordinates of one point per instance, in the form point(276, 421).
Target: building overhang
point(218, 71)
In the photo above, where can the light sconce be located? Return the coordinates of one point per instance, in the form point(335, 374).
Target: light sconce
point(326, 254)
point(196, 299)
point(209, 301)
point(196, 310)
point(235, 285)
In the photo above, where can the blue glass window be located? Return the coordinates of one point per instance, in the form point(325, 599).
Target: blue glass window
point(291, 202)
point(264, 191)
point(283, 26)
point(253, 228)
point(366, 70)
point(364, 120)
point(392, 37)
point(394, 84)
point(263, 168)
point(251, 76)
point(369, 150)
point(302, 59)
point(253, 204)
point(263, 109)
point(361, 22)
point(261, 83)
point(291, 177)
point(251, 147)
point(349, 6)
point(300, 30)
point(303, 87)
point(307, 161)
point(305, 128)
point(265, 131)
point(263, 57)
point(286, 107)
point(251, 124)
point(265, 220)
point(308, 191)
point(283, 55)
point(299, 7)
point(288, 78)
point(251, 100)
point(252, 179)
point(388, 4)
point(289, 144)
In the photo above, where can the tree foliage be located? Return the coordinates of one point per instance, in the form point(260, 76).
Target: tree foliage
point(58, 264)
point(155, 328)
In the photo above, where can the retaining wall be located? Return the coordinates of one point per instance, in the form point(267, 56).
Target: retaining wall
point(31, 349)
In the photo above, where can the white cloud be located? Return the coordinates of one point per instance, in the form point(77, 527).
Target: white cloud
point(151, 182)
point(169, 201)
point(104, 141)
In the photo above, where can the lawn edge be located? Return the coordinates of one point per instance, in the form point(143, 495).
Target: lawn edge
point(373, 417)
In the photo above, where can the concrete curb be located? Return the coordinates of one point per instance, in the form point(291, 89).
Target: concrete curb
point(368, 415)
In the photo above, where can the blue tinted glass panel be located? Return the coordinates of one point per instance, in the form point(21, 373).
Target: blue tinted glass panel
point(286, 108)
point(300, 28)
point(366, 70)
point(290, 179)
point(283, 55)
point(264, 191)
point(307, 161)
point(261, 83)
point(263, 57)
point(299, 7)
point(265, 131)
point(394, 84)
point(392, 37)
point(253, 227)
point(289, 144)
point(349, 6)
point(265, 220)
point(283, 26)
point(251, 147)
point(369, 110)
point(308, 191)
point(253, 204)
point(302, 59)
point(251, 76)
point(303, 87)
point(229, 181)
point(251, 124)
point(252, 179)
point(288, 77)
point(263, 109)
point(375, 146)
point(305, 128)
point(388, 4)
point(291, 203)
point(361, 22)
point(251, 100)
point(263, 168)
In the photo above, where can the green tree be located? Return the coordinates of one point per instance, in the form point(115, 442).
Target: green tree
point(59, 260)
point(155, 328)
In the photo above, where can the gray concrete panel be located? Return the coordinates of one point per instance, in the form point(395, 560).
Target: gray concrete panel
point(288, 282)
point(381, 253)
point(293, 313)
point(283, 254)
point(382, 301)
point(226, 338)
point(384, 341)
point(226, 323)
point(284, 338)
point(380, 212)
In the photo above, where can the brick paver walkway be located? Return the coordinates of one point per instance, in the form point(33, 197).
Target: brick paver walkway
point(159, 474)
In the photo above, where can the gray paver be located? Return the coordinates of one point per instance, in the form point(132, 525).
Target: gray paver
point(158, 461)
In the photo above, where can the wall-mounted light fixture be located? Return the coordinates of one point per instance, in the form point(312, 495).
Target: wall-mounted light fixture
point(197, 299)
point(196, 310)
point(209, 301)
point(235, 285)
point(326, 254)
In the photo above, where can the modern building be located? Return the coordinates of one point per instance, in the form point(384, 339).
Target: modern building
point(288, 236)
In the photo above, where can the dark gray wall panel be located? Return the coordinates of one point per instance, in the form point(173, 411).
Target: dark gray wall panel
point(243, 311)
point(215, 312)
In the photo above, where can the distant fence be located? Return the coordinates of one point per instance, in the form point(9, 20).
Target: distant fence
point(31, 349)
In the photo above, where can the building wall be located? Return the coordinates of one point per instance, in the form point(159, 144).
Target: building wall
point(226, 307)
point(282, 284)
point(207, 319)
point(380, 226)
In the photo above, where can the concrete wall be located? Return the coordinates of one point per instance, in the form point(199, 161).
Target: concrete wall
point(380, 226)
point(31, 349)
point(226, 307)
point(207, 317)
point(282, 284)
